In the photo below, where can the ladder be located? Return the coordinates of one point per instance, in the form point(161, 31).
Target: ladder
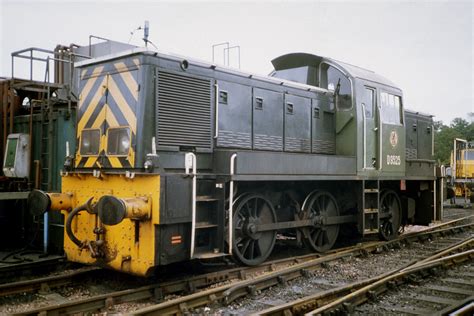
point(209, 225)
point(208, 213)
point(370, 207)
point(46, 134)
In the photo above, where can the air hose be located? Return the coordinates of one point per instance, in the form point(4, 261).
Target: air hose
point(84, 207)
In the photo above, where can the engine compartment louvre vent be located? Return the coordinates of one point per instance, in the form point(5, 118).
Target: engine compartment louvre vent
point(183, 111)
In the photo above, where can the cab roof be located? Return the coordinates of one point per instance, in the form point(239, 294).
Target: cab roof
point(294, 60)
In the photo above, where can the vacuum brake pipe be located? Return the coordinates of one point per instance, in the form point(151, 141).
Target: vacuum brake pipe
point(84, 207)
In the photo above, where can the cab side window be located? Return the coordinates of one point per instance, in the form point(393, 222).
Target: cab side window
point(391, 108)
point(369, 105)
point(330, 78)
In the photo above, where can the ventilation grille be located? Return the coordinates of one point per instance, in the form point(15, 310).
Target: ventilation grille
point(268, 142)
point(184, 111)
point(324, 147)
point(297, 144)
point(234, 139)
point(411, 153)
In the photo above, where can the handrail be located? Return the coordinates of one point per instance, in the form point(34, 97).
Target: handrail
point(190, 164)
point(364, 135)
point(216, 101)
point(31, 50)
point(90, 42)
point(228, 50)
point(231, 200)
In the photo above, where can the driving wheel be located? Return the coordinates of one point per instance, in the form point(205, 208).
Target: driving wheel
point(252, 247)
point(390, 215)
point(320, 237)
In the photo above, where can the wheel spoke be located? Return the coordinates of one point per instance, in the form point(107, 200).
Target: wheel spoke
point(245, 246)
point(320, 240)
point(321, 204)
point(249, 210)
point(325, 238)
point(317, 236)
point(255, 208)
point(258, 251)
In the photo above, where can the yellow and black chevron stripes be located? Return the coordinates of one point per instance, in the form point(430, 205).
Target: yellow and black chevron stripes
point(108, 98)
point(123, 65)
point(123, 110)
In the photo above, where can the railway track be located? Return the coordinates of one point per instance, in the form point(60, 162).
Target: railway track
point(29, 264)
point(343, 299)
point(235, 280)
point(444, 293)
point(51, 282)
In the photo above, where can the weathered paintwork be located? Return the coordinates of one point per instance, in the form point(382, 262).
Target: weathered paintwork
point(128, 246)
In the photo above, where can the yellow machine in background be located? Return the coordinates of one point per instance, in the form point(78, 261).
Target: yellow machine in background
point(462, 166)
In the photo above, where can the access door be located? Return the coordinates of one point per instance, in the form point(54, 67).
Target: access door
point(107, 119)
point(370, 129)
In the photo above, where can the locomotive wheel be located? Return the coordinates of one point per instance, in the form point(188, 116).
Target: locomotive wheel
point(320, 237)
point(390, 215)
point(249, 246)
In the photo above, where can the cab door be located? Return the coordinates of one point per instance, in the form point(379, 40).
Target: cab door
point(370, 129)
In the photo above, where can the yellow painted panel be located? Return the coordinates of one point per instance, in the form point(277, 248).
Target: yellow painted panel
point(94, 103)
point(124, 250)
point(136, 61)
point(127, 77)
point(123, 105)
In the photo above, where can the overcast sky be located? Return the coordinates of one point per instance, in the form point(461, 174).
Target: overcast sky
point(426, 47)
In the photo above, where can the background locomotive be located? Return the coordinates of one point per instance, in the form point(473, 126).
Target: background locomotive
point(179, 159)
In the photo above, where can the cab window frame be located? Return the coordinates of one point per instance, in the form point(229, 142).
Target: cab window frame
point(388, 103)
point(323, 69)
point(373, 104)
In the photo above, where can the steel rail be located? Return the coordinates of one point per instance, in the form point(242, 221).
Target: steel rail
point(339, 297)
point(158, 291)
point(367, 292)
point(228, 293)
point(44, 282)
point(19, 268)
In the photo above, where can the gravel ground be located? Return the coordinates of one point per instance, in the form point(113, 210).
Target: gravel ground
point(105, 282)
point(406, 295)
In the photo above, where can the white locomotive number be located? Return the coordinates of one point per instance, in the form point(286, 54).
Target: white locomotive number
point(393, 160)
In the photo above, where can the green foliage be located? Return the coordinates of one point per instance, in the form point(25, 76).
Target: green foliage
point(445, 135)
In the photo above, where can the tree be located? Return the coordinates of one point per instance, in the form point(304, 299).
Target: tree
point(445, 135)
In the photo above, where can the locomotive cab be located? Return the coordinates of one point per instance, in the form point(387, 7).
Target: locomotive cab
point(369, 110)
